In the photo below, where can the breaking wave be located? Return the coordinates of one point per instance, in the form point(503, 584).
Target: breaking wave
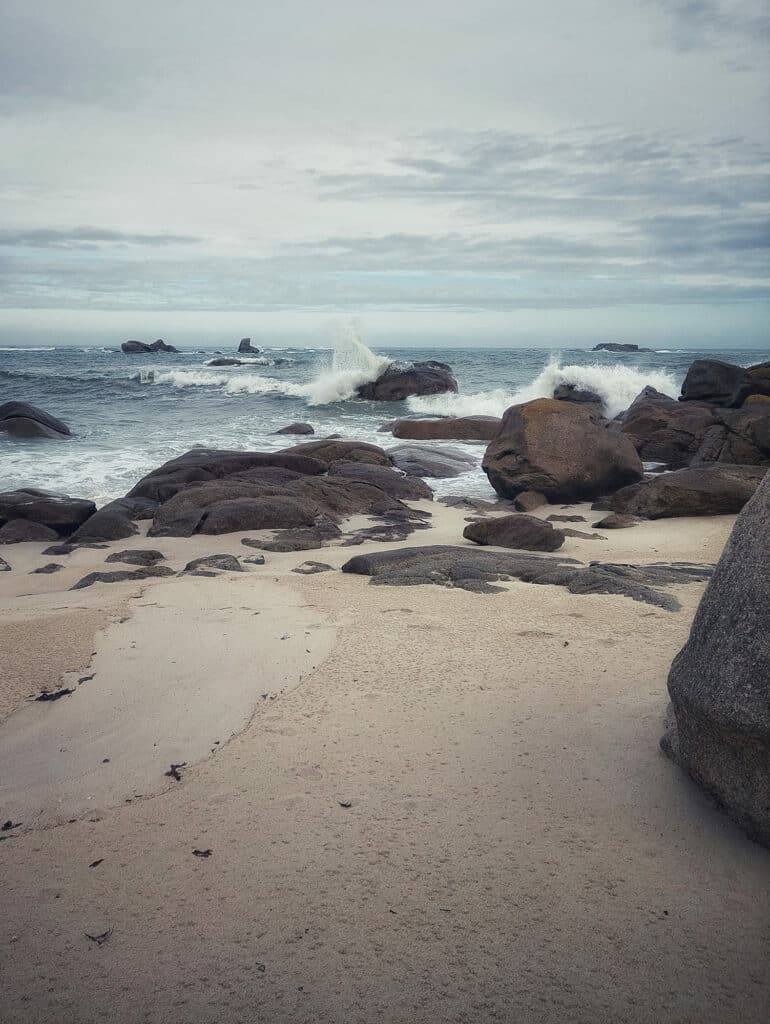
point(353, 364)
point(617, 386)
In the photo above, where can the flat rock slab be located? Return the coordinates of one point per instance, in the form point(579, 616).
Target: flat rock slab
point(122, 576)
point(478, 570)
point(224, 563)
point(46, 570)
point(138, 556)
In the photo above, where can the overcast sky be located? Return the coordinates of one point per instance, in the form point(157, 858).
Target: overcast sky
point(497, 169)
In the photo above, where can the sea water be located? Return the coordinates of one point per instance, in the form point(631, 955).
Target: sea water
point(130, 413)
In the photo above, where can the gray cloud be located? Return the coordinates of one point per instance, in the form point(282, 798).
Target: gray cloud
point(87, 238)
point(712, 24)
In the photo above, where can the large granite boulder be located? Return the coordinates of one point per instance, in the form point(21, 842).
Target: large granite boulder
point(400, 380)
point(721, 383)
point(720, 681)
point(330, 451)
point(20, 419)
point(434, 462)
point(525, 533)
point(397, 485)
point(562, 449)
point(740, 436)
point(572, 393)
point(455, 428)
point(58, 512)
point(664, 430)
point(719, 489)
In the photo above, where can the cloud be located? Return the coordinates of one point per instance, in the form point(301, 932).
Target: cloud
point(87, 238)
point(711, 24)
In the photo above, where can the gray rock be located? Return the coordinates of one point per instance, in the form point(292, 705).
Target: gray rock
point(713, 490)
point(720, 681)
point(527, 501)
point(400, 380)
point(296, 428)
point(20, 531)
point(614, 346)
point(46, 570)
point(254, 560)
point(133, 348)
point(59, 549)
point(59, 512)
point(572, 393)
point(396, 484)
point(246, 346)
point(289, 540)
point(459, 428)
point(20, 419)
point(616, 521)
point(311, 568)
point(225, 563)
point(664, 430)
point(137, 556)
point(714, 381)
point(557, 518)
point(434, 462)
point(123, 575)
point(526, 533)
point(4, 566)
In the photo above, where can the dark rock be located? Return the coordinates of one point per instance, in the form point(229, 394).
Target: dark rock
point(738, 436)
point(161, 346)
point(616, 521)
point(397, 485)
point(581, 533)
point(561, 449)
point(226, 563)
point(614, 346)
point(59, 512)
point(140, 348)
point(720, 731)
point(20, 419)
point(123, 575)
point(330, 451)
point(59, 549)
point(556, 518)
point(719, 489)
point(717, 382)
point(664, 430)
point(400, 380)
point(46, 570)
point(19, 531)
point(296, 428)
point(254, 560)
point(4, 566)
point(572, 393)
point(436, 463)
point(246, 346)
point(109, 523)
point(477, 570)
point(225, 361)
point(136, 556)
point(473, 504)
point(385, 533)
point(311, 568)
point(461, 428)
point(527, 533)
point(527, 501)
point(289, 540)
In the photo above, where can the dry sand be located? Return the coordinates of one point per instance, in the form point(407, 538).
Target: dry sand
point(517, 848)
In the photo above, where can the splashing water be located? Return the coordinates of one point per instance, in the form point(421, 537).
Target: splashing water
point(353, 364)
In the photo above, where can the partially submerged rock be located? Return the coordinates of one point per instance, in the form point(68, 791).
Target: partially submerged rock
point(246, 346)
point(526, 533)
point(477, 570)
point(297, 428)
point(720, 681)
point(400, 380)
point(20, 419)
point(664, 430)
point(453, 428)
point(132, 348)
point(713, 490)
point(562, 449)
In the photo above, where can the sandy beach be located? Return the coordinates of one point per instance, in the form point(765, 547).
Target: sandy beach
point(516, 847)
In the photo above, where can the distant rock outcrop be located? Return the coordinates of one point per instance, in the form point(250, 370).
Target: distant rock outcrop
point(614, 346)
point(720, 729)
point(400, 380)
point(245, 346)
point(132, 348)
point(20, 419)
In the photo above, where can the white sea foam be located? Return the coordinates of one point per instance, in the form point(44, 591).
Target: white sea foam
point(617, 385)
point(352, 364)
point(259, 361)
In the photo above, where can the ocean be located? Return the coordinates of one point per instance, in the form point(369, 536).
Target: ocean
point(131, 413)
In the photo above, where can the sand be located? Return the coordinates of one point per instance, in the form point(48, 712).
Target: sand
point(517, 848)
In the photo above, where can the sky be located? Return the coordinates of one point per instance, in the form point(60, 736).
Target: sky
point(486, 172)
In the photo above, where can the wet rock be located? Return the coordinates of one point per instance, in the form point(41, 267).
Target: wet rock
point(47, 570)
point(400, 380)
point(136, 556)
point(20, 419)
point(296, 428)
point(572, 393)
point(224, 563)
point(478, 569)
point(562, 449)
point(459, 428)
point(246, 346)
point(311, 568)
point(527, 533)
point(718, 489)
point(721, 383)
point(527, 501)
point(436, 463)
point(225, 361)
point(472, 504)
point(616, 521)
point(720, 729)
point(20, 531)
point(61, 513)
point(664, 430)
point(123, 575)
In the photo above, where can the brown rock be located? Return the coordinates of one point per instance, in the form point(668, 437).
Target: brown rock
point(664, 430)
point(528, 501)
point(526, 533)
point(718, 489)
point(616, 521)
point(461, 428)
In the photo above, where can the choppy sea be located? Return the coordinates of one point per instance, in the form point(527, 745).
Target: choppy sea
point(131, 413)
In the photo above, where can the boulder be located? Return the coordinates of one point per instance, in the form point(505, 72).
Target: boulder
point(20, 419)
point(739, 436)
point(719, 489)
point(115, 521)
point(459, 428)
point(527, 501)
point(562, 449)
point(397, 485)
point(296, 428)
point(664, 430)
point(136, 556)
point(224, 361)
point(400, 380)
point(526, 533)
point(720, 729)
point(572, 393)
point(434, 462)
point(721, 383)
point(329, 451)
point(19, 531)
point(224, 563)
point(246, 346)
point(616, 521)
point(59, 512)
